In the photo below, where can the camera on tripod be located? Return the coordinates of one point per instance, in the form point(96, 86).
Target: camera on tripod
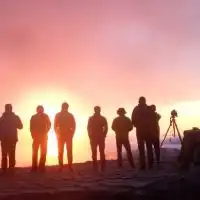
point(174, 114)
point(172, 124)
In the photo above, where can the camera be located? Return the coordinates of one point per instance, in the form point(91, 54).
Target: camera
point(174, 114)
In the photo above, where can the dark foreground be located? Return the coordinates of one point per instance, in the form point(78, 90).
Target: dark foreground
point(162, 182)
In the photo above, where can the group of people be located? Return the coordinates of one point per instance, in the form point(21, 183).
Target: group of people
point(144, 118)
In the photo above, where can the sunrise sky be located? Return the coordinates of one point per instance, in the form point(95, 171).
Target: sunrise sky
point(104, 52)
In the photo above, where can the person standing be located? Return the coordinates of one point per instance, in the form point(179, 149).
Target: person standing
point(122, 125)
point(9, 123)
point(97, 130)
point(39, 127)
point(64, 126)
point(155, 131)
point(141, 120)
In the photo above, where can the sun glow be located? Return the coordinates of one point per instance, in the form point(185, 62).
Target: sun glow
point(52, 100)
point(188, 116)
point(52, 144)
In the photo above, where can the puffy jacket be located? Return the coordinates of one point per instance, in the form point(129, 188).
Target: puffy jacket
point(9, 123)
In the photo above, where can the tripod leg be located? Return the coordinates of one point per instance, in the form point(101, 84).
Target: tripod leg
point(165, 135)
point(179, 135)
point(181, 155)
point(174, 128)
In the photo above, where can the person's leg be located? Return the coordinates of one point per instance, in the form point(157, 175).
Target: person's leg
point(11, 153)
point(157, 149)
point(102, 153)
point(149, 152)
point(129, 153)
point(141, 148)
point(69, 146)
point(61, 144)
point(119, 152)
point(43, 154)
point(35, 148)
point(4, 161)
point(93, 145)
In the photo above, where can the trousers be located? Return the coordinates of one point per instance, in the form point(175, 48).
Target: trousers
point(41, 144)
point(143, 138)
point(95, 143)
point(120, 143)
point(156, 145)
point(8, 152)
point(69, 147)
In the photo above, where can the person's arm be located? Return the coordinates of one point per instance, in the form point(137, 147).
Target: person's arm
point(48, 123)
point(89, 127)
point(1, 128)
point(105, 127)
point(56, 123)
point(19, 123)
point(73, 127)
point(133, 117)
point(114, 125)
point(130, 125)
point(31, 126)
point(158, 116)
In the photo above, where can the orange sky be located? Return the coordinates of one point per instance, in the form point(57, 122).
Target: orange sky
point(98, 52)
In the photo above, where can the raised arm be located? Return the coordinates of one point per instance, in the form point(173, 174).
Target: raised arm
point(158, 116)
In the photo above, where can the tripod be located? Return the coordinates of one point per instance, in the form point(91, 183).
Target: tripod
point(175, 129)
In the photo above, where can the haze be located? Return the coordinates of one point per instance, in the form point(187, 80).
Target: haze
point(98, 52)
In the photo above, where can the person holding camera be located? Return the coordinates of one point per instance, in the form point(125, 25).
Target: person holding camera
point(155, 131)
point(140, 119)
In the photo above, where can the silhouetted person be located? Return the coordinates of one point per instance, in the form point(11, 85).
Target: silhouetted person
point(155, 131)
point(97, 131)
point(9, 123)
point(141, 120)
point(39, 127)
point(122, 125)
point(64, 126)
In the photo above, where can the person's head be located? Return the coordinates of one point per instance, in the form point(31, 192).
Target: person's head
point(153, 108)
point(8, 108)
point(65, 106)
point(97, 110)
point(121, 112)
point(40, 109)
point(142, 100)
